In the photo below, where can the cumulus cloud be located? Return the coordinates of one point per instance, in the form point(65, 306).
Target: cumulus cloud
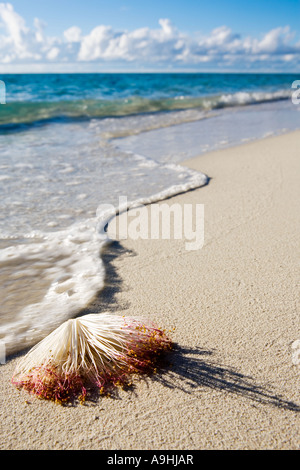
point(73, 34)
point(165, 45)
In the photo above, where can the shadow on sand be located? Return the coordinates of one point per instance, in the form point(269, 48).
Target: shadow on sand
point(106, 300)
point(192, 368)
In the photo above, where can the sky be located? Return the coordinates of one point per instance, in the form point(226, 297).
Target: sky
point(161, 35)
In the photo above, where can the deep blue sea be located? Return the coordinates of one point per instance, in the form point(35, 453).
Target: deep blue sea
point(72, 143)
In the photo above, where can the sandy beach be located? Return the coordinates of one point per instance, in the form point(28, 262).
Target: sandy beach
point(234, 305)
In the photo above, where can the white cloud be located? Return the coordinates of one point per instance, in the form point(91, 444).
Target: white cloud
point(40, 26)
point(165, 45)
point(275, 41)
point(73, 34)
point(13, 22)
point(53, 53)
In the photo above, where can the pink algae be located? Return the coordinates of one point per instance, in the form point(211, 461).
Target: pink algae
point(142, 355)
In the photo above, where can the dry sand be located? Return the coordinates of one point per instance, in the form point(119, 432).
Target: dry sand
point(232, 383)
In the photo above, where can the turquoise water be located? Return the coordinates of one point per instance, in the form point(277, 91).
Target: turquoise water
point(71, 144)
point(39, 98)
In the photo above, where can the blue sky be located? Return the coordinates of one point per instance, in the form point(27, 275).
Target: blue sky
point(248, 17)
point(133, 35)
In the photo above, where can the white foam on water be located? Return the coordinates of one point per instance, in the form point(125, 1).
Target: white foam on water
point(245, 98)
point(69, 260)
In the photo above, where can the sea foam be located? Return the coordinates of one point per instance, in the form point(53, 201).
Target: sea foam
point(53, 269)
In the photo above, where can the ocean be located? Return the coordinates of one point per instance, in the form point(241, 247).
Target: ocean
point(72, 143)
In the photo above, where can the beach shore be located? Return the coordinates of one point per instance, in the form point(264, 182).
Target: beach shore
point(231, 383)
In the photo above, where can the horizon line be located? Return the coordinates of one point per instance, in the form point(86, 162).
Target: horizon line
point(231, 72)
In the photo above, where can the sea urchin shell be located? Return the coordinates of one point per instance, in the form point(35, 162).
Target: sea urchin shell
point(96, 350)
